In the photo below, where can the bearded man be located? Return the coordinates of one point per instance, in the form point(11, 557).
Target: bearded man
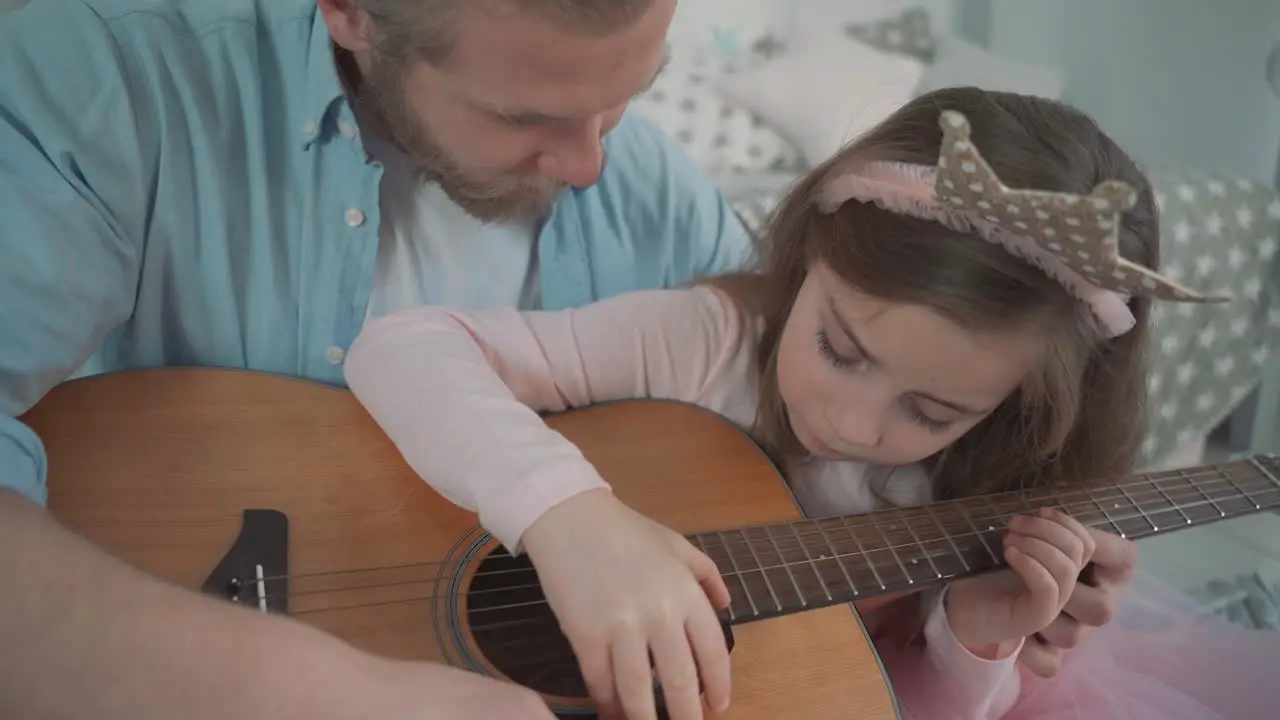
point(242, 184)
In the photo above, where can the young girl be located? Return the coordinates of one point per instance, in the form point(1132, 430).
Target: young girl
point(938, 311)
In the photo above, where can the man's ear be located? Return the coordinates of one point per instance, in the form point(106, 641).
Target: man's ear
point(349, 26)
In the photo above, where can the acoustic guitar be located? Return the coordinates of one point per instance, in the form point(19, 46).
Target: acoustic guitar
point(284, 496)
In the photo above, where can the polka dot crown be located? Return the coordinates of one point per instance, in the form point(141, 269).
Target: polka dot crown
point(1072, 238)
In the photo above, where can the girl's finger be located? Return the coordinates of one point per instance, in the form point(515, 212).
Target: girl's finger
point(1053, 533)
point(712, 655)
point(677, 673)
point(633, 677)
point(1087, 542)
point(1033, 574)
point(1059, 568)
point(1064, 632)
point(595, 661)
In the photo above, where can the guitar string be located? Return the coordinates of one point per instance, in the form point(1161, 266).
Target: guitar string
point(742, 574)
point(787, 542)
point(787, 545)
point(548, 618)
point(548, 621)
point(1090, 497)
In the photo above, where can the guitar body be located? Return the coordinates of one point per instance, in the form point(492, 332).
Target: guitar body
point(158, 467)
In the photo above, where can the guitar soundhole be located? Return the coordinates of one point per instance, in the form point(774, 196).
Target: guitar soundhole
point(516, 630)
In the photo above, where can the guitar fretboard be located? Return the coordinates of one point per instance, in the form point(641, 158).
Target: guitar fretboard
point(784, 568)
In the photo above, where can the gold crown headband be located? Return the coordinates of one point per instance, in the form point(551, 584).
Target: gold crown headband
point(1072, 238)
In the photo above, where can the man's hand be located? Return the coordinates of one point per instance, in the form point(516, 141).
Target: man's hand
point(1093, 603)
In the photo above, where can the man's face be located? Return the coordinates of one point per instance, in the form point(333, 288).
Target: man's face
point(518, 109)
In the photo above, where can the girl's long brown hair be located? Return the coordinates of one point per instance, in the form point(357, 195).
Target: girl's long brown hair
point(1081, 416)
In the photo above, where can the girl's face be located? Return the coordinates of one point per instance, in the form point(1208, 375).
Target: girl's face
point(887, 383)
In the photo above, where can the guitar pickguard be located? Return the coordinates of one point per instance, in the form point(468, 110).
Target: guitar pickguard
point(255, 570)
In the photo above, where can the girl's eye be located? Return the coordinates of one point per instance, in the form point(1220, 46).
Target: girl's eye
point(919, 416)
point(832, 355)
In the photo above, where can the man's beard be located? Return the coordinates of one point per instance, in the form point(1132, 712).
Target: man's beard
point(502, 198)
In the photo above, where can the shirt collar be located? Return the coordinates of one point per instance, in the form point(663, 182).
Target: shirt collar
point(324, 88)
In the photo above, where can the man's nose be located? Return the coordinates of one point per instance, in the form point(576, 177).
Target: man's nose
point(577, 154)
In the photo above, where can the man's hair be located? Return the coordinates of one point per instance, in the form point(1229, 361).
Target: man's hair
point(426, 29)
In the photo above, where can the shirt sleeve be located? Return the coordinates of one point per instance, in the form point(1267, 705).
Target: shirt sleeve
point(943, 680)
point(707, 235)
point(459, 392)
point(71, 211)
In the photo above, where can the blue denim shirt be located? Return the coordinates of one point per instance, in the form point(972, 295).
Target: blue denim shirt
point(175, 190)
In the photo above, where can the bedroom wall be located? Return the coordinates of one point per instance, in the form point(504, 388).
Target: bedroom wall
point(1181, 82)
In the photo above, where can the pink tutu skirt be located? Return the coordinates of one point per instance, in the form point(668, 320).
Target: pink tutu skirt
point(1163, 657)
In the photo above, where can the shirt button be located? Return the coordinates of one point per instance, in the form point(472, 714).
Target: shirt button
point(309, 128)
point(354, 217)
point(335, 355)
point(347, 129)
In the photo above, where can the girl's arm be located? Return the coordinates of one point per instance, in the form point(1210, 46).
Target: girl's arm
point(459, 392)
point(944, 680)
point(939, 678)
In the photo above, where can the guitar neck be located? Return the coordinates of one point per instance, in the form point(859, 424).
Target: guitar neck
point(785, 568)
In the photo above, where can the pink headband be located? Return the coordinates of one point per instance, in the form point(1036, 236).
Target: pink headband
point(1072, 238)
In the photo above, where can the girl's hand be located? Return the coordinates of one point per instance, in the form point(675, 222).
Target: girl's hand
point(1094, 602)
point(1046, 553)
point(626, 588)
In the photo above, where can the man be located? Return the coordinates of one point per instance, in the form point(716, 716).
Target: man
point(241, 184)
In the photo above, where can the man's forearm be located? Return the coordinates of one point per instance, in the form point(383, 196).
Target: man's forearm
point(86, 636)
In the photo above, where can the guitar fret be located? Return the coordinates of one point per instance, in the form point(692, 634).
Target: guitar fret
point(785, 565)
point(761, 567)
point(950, 538)
point(737, 571)
point(982, 537)
point(1106, 515)
point(916, 538)
point(893, 550)
point(1243, 492)
point(1160, 489)
point(838, 557)
point(701, 542)
point(862, 552)
point(809, 559)
point(1268, 477)
point(1212, 503)
point(1154, 528)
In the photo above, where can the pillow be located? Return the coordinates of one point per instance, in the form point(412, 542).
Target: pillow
point(720, 137)
point(958, 62)
point(827, 89)
point(907, 33)
point(723, 26)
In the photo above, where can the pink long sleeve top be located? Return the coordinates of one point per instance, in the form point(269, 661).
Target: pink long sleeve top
point(459, 393)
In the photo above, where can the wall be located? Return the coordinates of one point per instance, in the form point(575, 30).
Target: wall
point(1180, 82)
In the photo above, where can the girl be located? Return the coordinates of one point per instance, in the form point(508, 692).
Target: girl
point(921, 325)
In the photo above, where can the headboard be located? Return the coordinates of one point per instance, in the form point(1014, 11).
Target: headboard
point(1273, 78)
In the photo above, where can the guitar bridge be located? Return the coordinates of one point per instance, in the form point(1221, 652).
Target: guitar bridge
point(255, 571)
